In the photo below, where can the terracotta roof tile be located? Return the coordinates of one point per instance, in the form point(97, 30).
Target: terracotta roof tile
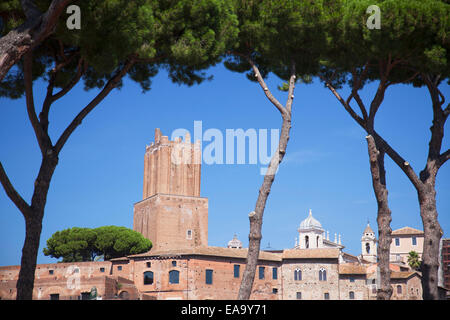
point(407, 231)
point(350, 268)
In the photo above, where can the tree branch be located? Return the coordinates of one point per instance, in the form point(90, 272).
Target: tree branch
point(81, 69)
point(398, 159)
point(444, 157)
point(110, 85)
point(41, 136)
point(15, 197)
point(32, 32)
point(50, 97)
point(344, 103)
point(263, 85)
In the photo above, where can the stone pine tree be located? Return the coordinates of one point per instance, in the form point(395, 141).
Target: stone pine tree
point(37, 26)
point(86, 244)
point(116, 39)
point(411, 47)
point(283, 38)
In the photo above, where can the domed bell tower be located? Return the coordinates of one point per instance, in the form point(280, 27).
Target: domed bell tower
point(369, 245)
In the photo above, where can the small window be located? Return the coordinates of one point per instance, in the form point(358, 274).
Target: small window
point(174, 263)
point(299, 296)
point(209, 276)
point(352, 279)
point(297, 274)
point(274, 290)
point(174, 277)
point(397, 242)
point(102, 269)
point(274, 273)
point(148, 277)
point(54, 296)
point(414, 241)
point(306, 242)
point(189, 234)
point(236, 270)
point(50, 271)
point(119, 268)
point(326, 296)
point(322, 275)
point(399, 289)
point(149, 264)
point(261, 273)
point(351, 295)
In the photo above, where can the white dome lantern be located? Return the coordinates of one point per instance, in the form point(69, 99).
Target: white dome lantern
point(235, 243)
point(310, 223)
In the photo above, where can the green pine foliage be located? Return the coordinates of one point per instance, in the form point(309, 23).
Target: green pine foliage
point(86, 244)
point(182, 36)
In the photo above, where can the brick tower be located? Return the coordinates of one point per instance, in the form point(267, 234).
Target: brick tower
point(172, 214)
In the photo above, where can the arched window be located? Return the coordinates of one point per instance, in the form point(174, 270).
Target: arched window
point(399, 289)
point(306, 242)
point(351, 295)
point(297, 274)
point(317, 242)
point(322, 274)
point(148, 277)
point(367, 247)
point(174, 276)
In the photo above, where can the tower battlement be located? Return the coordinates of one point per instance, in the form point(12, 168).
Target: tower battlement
point(172, 167)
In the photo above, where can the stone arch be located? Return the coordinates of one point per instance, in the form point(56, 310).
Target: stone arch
point(124, 295)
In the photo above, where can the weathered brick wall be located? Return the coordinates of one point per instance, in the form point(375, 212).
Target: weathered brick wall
point(353, 283)
point(310, 286)
point(166, 219)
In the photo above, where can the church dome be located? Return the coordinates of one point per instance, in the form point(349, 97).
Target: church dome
point(235, 243)
point(310, 222)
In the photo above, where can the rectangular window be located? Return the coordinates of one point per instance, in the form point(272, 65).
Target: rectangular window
point(397, 242)
point(274, 290)
point(102, 269)
point(299, 296)
point(261, 273)
point(326, 296)
point(50, 271)
point(174, 263)
point(414, 241)
point(236, 270)
point(352, 279)
point(209, 276)
point(149, 264)
point(274, 273)
point(119, 268)
point(189, 234)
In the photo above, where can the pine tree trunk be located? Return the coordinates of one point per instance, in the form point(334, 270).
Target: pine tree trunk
point(33, 227)
point(378, 173)
point(432, 236)
point(256, 217)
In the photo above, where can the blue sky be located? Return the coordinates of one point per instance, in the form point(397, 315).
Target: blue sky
point(326, 169)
